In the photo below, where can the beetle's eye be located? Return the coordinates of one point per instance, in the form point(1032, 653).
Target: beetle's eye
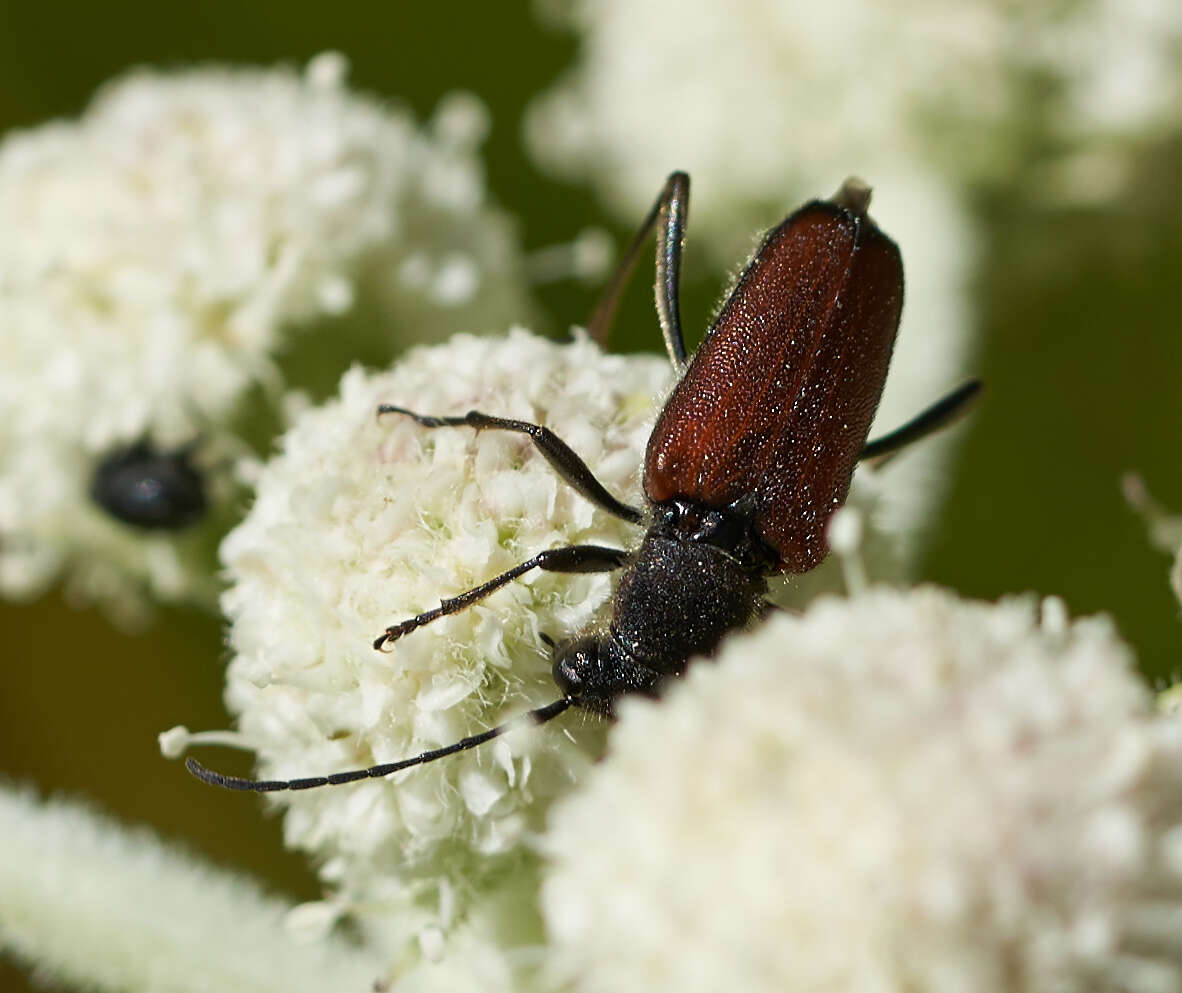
point(567, 674)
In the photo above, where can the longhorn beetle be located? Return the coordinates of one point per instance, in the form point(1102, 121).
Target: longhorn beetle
point(751, 455)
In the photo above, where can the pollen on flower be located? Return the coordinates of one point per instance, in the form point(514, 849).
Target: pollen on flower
point(159, 253)
point(898, 791)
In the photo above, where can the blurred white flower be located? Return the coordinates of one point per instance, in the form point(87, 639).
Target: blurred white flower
point(156, 256)
point(760, 97)
point(1169, 700)
point(361, 522)
point(1165, 527)
point(901, 791)
point(95, 906)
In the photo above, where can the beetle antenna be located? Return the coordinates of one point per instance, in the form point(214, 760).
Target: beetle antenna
point(539, 716)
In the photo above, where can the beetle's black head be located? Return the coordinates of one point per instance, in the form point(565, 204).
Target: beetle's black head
point(150, 489)
point(595, 671)
point(582, 677)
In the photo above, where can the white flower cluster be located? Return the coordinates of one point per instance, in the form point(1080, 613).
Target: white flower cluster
point(363, 521)
point(155, 257)
point(901, 791)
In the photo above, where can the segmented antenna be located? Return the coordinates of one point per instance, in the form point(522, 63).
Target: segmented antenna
point(539, 716)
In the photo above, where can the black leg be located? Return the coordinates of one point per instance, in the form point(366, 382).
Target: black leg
point(670, 210)
point(571, 558)
point(938, 415)
point(556, 451)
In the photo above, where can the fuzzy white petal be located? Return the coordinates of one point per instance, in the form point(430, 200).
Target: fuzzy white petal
point(902, 791)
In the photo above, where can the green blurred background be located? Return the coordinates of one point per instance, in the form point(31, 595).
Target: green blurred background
point(1080, 351)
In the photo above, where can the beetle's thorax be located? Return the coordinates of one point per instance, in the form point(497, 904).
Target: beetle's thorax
point(699, 573)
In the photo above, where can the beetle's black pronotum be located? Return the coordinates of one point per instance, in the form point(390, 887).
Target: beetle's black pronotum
point(148, 488)
point(751, 455)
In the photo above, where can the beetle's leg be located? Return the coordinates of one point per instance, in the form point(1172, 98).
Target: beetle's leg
point(940, 414)
point(570, 558)
point(668, 215)
point(556, 451)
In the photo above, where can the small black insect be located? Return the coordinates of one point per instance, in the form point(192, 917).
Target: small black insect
point(750, 457)
point(150, 489)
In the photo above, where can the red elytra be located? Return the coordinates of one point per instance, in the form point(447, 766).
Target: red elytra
point(777, 403)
